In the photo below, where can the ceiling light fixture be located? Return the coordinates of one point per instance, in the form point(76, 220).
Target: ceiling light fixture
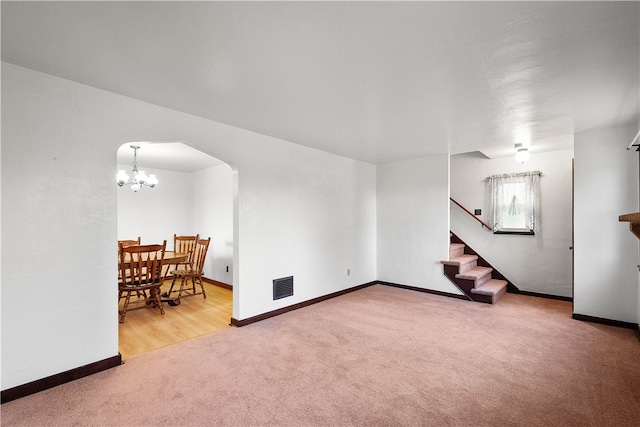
point(140, 178)
point(522, 153)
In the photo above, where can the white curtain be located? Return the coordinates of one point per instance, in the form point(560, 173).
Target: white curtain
point(515, 202)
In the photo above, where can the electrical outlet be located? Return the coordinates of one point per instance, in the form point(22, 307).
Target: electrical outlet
point(348, 272)
point(477, 212)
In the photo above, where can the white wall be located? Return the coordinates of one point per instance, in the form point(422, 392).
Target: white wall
point(540, 263)
point(299, 212)
point(155, 214)
point(413, 223)
point(606, 253)
point(306, 214)
point(213, 217)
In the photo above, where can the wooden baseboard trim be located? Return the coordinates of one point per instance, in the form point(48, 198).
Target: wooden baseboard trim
point(244, 322)
point(426, 291)
point(63, 377)
point(248, 321)
point(609, 322)
point(216, 283)
point(547, 296)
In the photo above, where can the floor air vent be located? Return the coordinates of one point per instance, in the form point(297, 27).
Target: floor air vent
point(282, 287)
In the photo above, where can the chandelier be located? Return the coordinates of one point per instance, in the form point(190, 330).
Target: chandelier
point(140, 178)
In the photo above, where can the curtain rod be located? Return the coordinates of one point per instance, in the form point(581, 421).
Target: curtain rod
point(511, 175)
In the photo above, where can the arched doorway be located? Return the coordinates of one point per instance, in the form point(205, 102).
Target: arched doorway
point(194, 195)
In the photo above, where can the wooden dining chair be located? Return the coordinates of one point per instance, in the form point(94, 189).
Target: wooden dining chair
point(182, 245)
point(141, 271)
point(132, 242)
point(193, 272)
point(124, 243)
point(185, 245)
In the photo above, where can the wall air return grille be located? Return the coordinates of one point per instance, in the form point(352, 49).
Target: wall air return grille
point(282, 287)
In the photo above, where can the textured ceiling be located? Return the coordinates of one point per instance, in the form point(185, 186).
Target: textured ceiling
point(374, 81)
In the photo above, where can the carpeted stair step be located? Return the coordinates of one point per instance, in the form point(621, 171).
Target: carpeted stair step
point(494, 288)
point(480, 275)
point(463, 262)
point(475, 281)
point(456, 250)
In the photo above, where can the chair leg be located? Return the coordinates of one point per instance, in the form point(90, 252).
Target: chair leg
point(173, 282)
point(123, 312)
point(182, 280)
point(193, 286)
point(156, 296)
point(204, 294)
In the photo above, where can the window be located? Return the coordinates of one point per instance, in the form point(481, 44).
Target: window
point(514, 203)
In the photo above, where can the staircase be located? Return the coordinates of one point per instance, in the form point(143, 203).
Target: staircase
point(472, 274)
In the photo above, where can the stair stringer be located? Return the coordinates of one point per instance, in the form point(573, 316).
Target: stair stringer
point(465, 285)
point(473, 275)
point(511, 288)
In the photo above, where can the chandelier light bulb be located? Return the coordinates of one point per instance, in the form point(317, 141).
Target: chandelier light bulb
point(135, 187)
point(152, 181)
point(122, 177)
point(142, 177)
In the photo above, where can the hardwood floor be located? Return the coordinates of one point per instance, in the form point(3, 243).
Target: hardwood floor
point(146, 329)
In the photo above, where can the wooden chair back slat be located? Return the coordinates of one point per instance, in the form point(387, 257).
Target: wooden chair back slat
point(200, 254)
point(185, 245)
point(145, 263)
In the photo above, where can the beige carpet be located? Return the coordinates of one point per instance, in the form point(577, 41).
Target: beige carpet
point(380, 356)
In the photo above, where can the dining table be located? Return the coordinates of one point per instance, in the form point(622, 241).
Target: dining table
point(170, 258)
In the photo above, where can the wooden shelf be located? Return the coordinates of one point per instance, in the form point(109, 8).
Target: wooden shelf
point(634, 222)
